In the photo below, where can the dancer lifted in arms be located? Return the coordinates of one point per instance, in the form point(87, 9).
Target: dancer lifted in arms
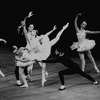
point(40, 46)
point(42, 50)
point(84, 45)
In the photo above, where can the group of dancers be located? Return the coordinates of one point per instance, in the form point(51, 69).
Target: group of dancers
point(38, 49)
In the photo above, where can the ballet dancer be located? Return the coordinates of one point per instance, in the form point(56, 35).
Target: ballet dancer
point(72, 68)
point(84, 45)
point(40, 45)
point(1, 73)
point(44, 50)
point(15, 51)
point(22, 63)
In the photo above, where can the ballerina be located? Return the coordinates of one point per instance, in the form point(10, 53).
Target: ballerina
point(43, 50)
point(84, 45)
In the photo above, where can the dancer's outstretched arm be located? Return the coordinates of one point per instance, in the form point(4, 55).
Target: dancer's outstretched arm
point(48, 33)
point(3, 40)
point(55, 40)
point(92, 32)
point(75, 22)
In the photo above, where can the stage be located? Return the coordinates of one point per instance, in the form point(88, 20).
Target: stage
point(77, 87)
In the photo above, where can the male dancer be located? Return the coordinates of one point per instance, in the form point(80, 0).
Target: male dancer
point(73, 68)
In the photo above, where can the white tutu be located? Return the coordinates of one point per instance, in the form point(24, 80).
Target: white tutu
point(23, 64)
point(84, 45)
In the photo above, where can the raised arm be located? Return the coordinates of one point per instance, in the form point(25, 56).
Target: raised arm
point(48, 33)
point(55, 40)
point(75, 22)
point(3, 40)
point(23, 24)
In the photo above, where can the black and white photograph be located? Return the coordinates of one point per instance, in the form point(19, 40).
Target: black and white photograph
point(49, 50)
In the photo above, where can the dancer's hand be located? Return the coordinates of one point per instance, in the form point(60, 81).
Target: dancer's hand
point(23, 23)
point(4, 41)
point(79, 14)
point(55, 27)
point(56, 52)
point(15, 47)
point(30, 14)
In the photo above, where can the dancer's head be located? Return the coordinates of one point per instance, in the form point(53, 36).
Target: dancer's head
point(59, 53)
point(21, 51)
point(31, 27)
point(83, 25)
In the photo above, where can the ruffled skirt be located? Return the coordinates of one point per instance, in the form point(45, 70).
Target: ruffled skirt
point(84, 45)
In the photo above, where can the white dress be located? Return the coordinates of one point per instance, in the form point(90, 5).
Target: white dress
point(42, 52)
point(83, 44)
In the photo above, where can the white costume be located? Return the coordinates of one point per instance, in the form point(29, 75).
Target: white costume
point(83, 44)
point(42, 52)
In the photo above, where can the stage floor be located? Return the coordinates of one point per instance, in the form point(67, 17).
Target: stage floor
point(77, 87)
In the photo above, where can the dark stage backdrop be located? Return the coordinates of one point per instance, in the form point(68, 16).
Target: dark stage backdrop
point(46, 15)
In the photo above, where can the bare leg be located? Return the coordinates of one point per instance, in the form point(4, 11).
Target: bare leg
point(82, 58)
point(92, 60)
point(30, 68)
point(2, 74)
point(23, 77)
point(44, 72)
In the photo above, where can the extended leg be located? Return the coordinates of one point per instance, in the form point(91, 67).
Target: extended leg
point(81, 55)
point(92, 60)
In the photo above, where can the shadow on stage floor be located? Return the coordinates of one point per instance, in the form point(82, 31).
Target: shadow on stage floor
point(77, 87)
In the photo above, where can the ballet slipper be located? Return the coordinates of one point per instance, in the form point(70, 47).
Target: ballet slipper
point(62, 87)
point(24, 86)
point(18, 82)
point(95, 83)
point(2, 74)
point(43, 81)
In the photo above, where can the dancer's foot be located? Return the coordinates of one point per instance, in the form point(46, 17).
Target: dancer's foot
point(62, 87)
point(83, 69)
point(43, 81)
point(19, 83)
point(95, 83)
point(98, 71)
point(2, 74)
point(28, 78)
point(24, 86)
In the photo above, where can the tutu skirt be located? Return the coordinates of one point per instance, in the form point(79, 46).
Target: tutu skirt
point(23, 64)
point(84, 45)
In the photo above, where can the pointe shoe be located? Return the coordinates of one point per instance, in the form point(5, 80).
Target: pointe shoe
point(98, 71)
point(83, 70)
point(43, 81)
point(24, 86)
point(2, 74)
point(62, 88)
point(95, 83)
point(19, 83)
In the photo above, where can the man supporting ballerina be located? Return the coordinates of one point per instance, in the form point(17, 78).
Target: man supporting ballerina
point(44, 50)
point(73, 68)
